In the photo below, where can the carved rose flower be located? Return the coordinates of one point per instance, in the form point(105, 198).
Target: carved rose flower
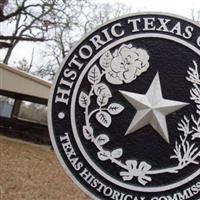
point(126, 64)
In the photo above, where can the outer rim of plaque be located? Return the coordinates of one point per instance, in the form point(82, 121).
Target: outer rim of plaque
point(49, 106)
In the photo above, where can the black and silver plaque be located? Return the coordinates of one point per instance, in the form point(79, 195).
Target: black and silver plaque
point(124, 113)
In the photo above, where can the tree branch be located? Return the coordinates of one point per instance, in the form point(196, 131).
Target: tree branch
point(2, 37)
point(15, 13)
point(5, 45)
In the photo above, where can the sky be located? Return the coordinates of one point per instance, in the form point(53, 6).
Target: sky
point(179, 7)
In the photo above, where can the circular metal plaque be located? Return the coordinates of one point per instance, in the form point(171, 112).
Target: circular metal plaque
point(124, 112)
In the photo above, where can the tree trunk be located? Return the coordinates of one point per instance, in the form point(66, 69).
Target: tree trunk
point(9, 52)
point(16, 108)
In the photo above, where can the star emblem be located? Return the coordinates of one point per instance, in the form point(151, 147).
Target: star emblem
point(152, 109)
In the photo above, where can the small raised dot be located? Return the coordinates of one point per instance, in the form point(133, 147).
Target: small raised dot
point(61, 115)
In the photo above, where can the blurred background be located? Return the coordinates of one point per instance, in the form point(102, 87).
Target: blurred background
point(35, 36)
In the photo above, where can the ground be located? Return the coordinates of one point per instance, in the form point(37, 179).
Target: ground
point(30, 172)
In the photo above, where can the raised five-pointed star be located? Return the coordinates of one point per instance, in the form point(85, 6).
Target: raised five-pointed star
point(152, 109)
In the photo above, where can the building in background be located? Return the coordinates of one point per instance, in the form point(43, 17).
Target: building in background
point(5, 107)
point(23, 102)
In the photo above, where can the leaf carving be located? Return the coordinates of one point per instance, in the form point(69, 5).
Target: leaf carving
point(88, 132)
point(102, 139)
point(195, 135)
point(84, 100)
point(117, 153)
point(102, 88)
point(102, 100)
point(103, 155)
point(104, 118)
point(115, 108)
point(94, 75)
point(105, 60)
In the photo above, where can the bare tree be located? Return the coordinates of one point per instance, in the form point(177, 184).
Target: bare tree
point(27, 20)
point(102, 14)
point(79, 20)
point(62, 37)
point(60, 23)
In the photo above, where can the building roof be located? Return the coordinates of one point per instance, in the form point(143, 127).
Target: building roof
point(21, 85)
